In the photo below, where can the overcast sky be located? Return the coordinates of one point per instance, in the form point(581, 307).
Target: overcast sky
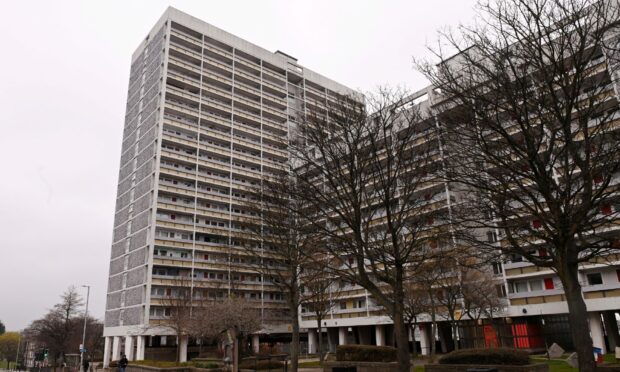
point(64, 70)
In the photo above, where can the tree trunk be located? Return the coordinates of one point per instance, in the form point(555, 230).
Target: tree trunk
point(320, 337)
point(578, 318)
point(295, 341)
point(402, 339)
point(455, 331)
point(415, 348)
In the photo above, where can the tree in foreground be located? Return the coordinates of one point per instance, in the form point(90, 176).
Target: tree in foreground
point(362, 177)
point(530, 119)
point(282, 245)
point(318, 294)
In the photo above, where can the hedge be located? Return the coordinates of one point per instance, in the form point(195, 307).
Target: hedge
point(365, 353)
point(261, 364)
point(501, 356)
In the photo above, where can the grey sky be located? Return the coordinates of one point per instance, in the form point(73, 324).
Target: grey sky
point(64, 70)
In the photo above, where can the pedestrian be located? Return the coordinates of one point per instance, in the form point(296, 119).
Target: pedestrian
point(122, 364)
point(85, 365)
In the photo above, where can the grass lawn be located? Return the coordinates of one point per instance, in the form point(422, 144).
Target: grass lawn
point(314, 364)
point(4, 364)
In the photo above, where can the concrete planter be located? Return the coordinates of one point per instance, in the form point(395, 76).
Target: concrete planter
point(360, 366)
point(537, 367)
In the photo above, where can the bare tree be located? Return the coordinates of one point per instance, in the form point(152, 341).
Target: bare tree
point(59, 326)
point(319, 295)
point(362, 177)
point(529, 114)
point(179, 307)
point(416, 304)
point(283, 244)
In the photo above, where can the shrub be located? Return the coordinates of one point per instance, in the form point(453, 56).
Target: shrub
point(261, 364)
point(206, 364)
point(365, 353)
point(501, 356)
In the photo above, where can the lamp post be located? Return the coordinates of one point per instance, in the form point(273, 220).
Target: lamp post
point(84, 331)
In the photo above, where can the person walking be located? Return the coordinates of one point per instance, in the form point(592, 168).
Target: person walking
point(85, 365)
point(122, 364)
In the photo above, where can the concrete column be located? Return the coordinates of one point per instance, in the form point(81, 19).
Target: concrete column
point(183, 348)
point(611, 328)
point(129, 347)
point(332, 338)
point(256, 344)
point(116, 348)
point(140, 344)
point(163, 340)
point(343, 333)
point(596, 331)
point(425, 339)
point(312, 341)
point(106, 351)
point(380, 335)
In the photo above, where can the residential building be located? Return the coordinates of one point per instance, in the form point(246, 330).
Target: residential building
point(208, 117)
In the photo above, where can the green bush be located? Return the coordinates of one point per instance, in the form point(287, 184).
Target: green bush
point(159, 363)
point(501, 356)
point(261, 364)
point(206, 364)
point(365, 353)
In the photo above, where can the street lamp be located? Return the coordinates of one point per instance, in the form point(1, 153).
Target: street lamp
point(84, 332)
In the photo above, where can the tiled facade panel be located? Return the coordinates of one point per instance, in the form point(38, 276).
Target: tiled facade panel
point(114, 300)
point(122, 201)
point(136, 70)
point(143, 187)
point(151, 106)
point(145, 170)
point(130, 127)
point(121, 217)
point(138, 240)
point(152, 92)
point(124, 186)
point(120, 232)
point(132, 316)
point(137, 276)
point(112, 318)
point(128, 143)
point(150, 121)
point(140, 221)
point(148, 138)
point(129, 154)
point(142, 204)
point(137, 258)
point(117, 265)
point(118, 248)
point(147, 154)
point(134, 296)
point(125, 171)
point(115, 283)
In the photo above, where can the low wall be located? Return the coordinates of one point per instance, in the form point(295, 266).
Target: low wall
point(360, 367)
point(538, 367)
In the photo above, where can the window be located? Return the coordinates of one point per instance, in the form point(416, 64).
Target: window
point(343, 306)
point(501, 290)
point(521, 287)
point(536, 285)
point(594, 279)
point(497, 268)
point(549, 283)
